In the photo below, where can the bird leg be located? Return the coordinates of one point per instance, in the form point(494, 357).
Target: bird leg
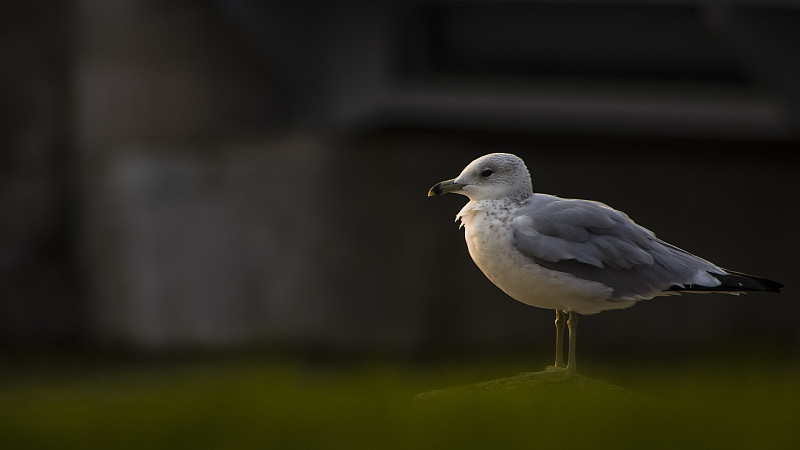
point(572, 324)
point(559, 339)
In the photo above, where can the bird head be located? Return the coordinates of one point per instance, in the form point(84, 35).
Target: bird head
point(490, 177)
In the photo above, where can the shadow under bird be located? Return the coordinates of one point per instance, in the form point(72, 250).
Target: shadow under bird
point(574, 256)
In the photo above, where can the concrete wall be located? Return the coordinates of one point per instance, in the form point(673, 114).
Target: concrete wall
point(246, 173)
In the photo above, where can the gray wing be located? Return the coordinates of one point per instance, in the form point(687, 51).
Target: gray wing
point(595, 242)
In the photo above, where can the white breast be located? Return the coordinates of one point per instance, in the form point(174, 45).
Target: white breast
point(490, 240)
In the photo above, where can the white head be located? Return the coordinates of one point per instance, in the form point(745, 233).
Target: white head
point(490, 177)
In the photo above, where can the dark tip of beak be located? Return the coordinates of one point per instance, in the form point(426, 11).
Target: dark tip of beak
point(435, 190)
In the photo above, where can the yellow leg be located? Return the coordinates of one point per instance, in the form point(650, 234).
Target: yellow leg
point(572, 324)
point(559, 339)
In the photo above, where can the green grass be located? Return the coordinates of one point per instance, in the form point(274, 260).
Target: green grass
point(289, 403)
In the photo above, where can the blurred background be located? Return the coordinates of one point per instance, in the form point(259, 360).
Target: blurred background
point(237, 174)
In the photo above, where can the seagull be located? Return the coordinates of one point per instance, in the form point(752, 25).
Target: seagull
point(573, 256)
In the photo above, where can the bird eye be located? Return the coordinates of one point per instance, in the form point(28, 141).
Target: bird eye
point(486, 173)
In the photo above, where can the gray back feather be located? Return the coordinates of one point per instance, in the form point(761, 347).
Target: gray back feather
point(595, 242)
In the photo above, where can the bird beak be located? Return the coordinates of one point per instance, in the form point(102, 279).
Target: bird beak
point(444, 187)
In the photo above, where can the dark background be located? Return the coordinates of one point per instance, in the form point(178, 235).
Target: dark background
point(240, 174)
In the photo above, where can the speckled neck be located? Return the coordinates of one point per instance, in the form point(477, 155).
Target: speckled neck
point(521, 196)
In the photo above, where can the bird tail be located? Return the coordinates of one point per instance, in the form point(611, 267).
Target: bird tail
point(733, 283)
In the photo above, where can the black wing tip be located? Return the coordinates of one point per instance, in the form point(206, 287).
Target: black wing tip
point(764, 283)
point(735, 282)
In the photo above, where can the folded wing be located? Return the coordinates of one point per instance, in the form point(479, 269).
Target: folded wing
point(595, 242)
